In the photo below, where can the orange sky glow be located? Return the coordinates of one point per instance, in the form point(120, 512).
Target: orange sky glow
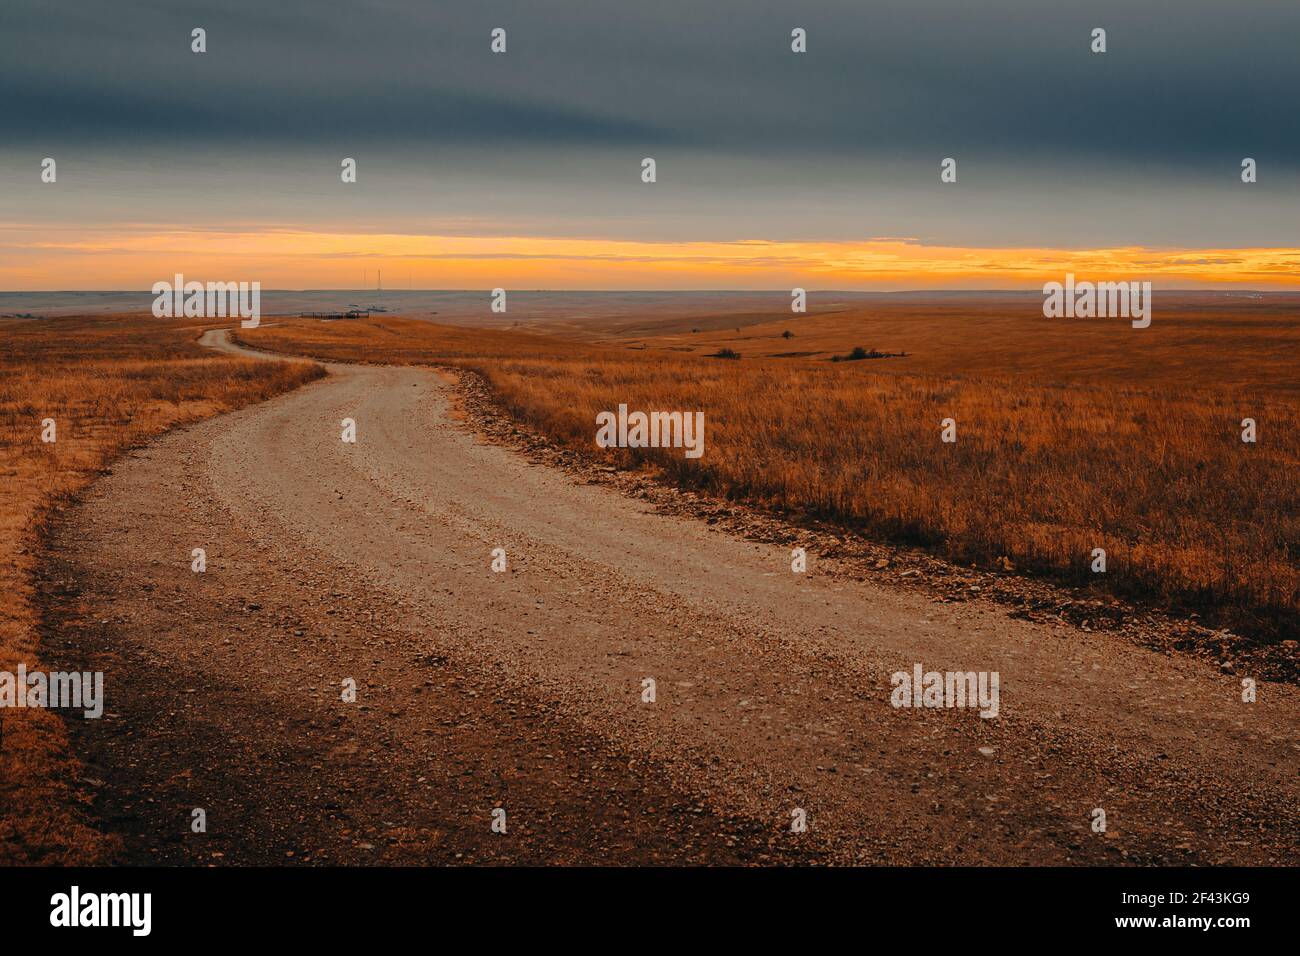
point(39, 258)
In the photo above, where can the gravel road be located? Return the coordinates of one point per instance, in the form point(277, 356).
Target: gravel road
point(523, 689)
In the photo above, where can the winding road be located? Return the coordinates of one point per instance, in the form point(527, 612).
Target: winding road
point(523, 689)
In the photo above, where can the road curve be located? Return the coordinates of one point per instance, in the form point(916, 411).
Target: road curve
point(523, 690)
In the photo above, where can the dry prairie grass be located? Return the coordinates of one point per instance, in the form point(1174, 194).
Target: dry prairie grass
point(1062, 447)
point(1196, 340)
point(108, 384)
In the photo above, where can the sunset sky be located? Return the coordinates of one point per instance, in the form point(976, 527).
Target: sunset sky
point(522, 170)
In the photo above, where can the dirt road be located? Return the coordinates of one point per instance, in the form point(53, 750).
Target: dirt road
point(523, 690)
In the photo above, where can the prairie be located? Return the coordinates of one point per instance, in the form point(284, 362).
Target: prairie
point(1198, 340)
point(108, 384)
point(1069, 438)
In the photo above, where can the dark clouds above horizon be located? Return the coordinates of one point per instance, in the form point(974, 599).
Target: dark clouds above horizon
point(1009, 87)
point(1182, 81)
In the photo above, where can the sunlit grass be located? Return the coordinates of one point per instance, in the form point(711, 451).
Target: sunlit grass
point(1045, 469)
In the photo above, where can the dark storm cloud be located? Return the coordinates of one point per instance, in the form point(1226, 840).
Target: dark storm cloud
point(1182, 82)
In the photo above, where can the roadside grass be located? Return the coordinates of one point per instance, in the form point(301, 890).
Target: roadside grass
point(108, 384)
point(1046, 468)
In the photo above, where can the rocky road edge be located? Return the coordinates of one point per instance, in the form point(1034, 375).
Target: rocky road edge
point(845, 555)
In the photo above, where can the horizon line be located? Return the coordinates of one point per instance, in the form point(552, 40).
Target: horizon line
point(1224, 290)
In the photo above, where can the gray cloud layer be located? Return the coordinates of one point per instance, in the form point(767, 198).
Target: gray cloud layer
point(1182, 82)
point(1056, 145)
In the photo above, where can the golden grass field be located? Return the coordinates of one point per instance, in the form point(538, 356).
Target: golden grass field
point(1196, 341)
point(109, 384)
point(1071, 436)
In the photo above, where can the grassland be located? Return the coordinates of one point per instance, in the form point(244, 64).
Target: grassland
point(1197, 340)
point(108, 384)
point(1070, 437)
